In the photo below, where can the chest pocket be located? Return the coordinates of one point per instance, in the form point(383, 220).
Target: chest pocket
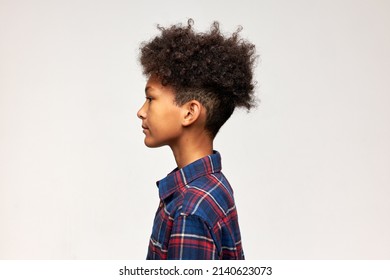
point(161, 232)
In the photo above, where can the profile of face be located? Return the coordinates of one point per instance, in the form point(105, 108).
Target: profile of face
point(160, 115)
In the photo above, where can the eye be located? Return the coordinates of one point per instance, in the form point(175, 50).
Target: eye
point(149, 99)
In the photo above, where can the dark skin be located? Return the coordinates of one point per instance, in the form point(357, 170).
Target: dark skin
point(182, 127)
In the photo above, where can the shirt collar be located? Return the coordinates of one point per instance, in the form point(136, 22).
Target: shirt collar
point(181, 177)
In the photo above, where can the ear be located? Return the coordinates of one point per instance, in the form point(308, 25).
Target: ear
point(191, 112)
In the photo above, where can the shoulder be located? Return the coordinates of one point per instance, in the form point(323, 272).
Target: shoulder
point(209, 197)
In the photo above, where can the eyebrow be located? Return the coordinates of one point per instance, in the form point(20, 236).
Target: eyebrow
point(147, 89)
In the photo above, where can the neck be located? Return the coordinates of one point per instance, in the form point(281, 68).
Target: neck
point(190, 149)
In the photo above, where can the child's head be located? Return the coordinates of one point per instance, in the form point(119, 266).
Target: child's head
point(211, 68)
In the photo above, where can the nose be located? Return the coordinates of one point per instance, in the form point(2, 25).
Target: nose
point(141, 114)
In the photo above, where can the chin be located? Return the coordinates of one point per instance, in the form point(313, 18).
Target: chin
point(151, 144)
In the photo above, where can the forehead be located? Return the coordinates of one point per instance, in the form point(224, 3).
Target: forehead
point(153, 81)
point(154, 85)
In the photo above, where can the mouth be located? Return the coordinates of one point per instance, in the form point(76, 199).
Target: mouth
point(145, 129)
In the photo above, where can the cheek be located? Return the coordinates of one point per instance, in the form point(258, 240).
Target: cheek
point(167, 123)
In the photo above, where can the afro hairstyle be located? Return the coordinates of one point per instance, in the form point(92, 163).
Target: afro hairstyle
point(214, 69)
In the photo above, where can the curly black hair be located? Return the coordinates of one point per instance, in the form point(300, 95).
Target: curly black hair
point(209, 67)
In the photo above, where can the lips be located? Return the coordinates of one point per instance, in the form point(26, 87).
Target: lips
point(144, 128)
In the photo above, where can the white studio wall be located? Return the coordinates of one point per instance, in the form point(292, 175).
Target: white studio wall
point(310, 166)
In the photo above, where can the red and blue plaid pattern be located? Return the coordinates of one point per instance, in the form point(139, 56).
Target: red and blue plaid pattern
point(197, 217)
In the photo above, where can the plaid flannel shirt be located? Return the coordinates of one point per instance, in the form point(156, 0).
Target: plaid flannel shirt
point(197, 217)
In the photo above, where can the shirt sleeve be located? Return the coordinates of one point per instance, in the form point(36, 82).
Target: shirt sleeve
point(191, 240)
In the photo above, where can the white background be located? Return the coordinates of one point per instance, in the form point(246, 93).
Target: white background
point(310, 167)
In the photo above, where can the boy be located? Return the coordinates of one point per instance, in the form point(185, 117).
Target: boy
point(195, 82)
